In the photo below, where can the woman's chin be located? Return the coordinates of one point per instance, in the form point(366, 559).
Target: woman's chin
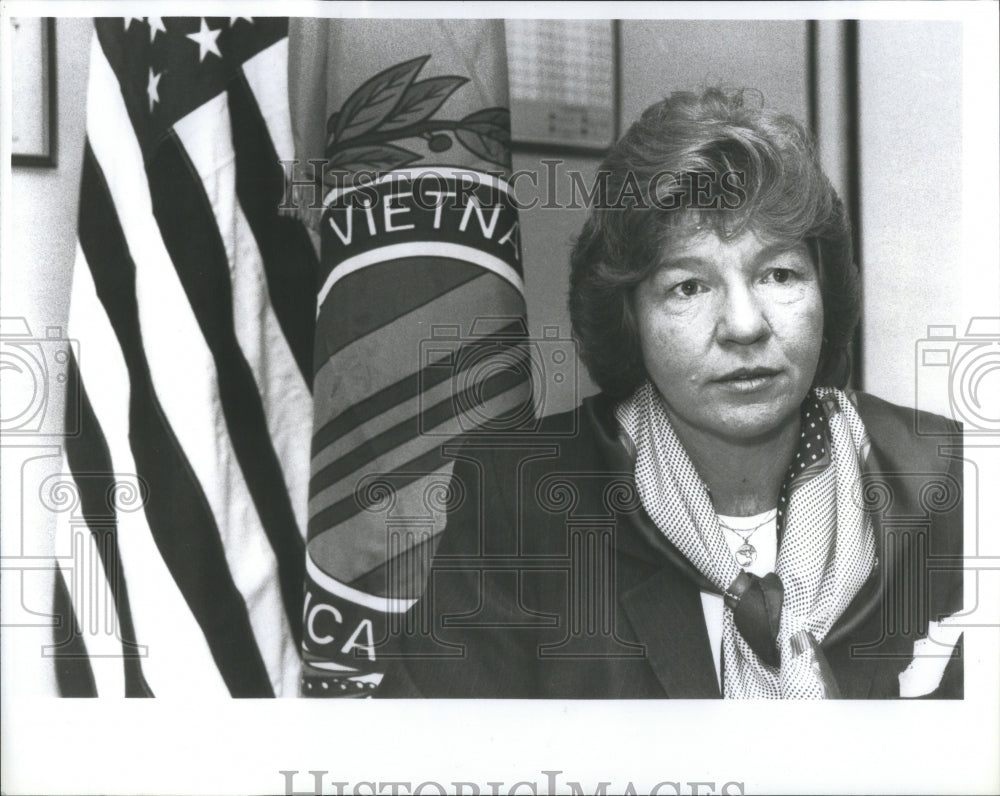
point(754, 423)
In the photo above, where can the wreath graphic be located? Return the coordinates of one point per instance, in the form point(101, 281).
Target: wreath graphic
point(391, 106)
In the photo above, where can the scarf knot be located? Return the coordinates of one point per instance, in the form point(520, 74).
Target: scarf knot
point(756, 606)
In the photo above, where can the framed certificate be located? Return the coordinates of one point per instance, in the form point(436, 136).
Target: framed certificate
point(563, 84)
point(33, 106)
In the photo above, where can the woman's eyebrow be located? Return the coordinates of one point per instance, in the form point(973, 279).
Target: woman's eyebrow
point(777, 249)
point(683, 261)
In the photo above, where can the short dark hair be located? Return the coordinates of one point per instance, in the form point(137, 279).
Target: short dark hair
point(782, 192)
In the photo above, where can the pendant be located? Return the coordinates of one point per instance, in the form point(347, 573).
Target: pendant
point(746, 554)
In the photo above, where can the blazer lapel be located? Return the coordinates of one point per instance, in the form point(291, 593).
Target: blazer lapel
point(666, 613)
point(665, 609)
point(869, 597)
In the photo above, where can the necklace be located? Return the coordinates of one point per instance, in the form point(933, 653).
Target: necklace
point(746, 553)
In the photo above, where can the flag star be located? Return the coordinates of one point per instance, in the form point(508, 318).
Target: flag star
point(205, 39)
point(155, 26)
point(129, 20)
point(152, 88)
point(234, 20)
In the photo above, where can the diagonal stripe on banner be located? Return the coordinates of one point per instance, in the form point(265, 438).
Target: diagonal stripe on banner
point(375, 361)
point(377, 289)
point(338, 502)
point(509, 376)
point(420, 411)
point(380, 401)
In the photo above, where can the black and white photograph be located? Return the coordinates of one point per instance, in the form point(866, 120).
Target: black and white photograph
point(479, 399)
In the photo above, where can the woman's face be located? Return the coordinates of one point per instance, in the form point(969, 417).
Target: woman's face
point(731, 333)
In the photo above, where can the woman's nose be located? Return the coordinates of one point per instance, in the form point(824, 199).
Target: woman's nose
point(741, 317)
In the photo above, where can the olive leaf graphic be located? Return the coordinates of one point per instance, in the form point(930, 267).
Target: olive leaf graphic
point(376, 99)
point(486, 133)
point(374, 157)
point(391, 106)
point(421, 100)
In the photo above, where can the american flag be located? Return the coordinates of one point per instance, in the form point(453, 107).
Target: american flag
point(194, 305)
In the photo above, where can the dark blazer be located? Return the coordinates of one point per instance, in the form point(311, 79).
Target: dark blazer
point(550, 580)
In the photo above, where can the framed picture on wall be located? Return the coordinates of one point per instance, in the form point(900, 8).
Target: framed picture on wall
point(563, 84)
point(33, 106)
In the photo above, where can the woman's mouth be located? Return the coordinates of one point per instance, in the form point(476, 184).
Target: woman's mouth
point(745, 380)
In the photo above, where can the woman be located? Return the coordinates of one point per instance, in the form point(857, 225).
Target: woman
point(700, 528)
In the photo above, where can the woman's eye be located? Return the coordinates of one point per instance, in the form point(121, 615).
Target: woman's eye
point(782, 275)
point(687, 288)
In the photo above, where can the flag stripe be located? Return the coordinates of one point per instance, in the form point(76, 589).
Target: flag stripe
point(179, 516)
point(266, 74)
point(163, 619)
point(74, 676)
point(506, 377)
point(89, 592)
point(285, 398)
point(377, 290)
point(288, 256)
point(87, 454)
point(405, 389)
point(197, 252)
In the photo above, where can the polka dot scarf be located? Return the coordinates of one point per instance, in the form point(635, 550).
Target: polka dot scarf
point(827, 546)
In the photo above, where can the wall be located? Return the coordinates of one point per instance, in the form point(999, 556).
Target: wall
point(35, 280)
point(665, 55)
point(39, 236)
point(910, 76)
